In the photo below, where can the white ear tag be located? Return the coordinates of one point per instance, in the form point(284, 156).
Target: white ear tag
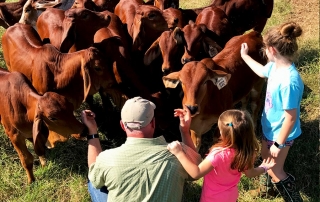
point(221, 82)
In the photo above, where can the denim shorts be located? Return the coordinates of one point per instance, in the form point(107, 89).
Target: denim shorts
point(270, 142)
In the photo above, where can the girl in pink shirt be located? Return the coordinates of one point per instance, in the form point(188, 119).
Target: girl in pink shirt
point(233, 154)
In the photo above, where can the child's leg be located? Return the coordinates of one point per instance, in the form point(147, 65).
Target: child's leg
point(284, 182)
point(277, 173)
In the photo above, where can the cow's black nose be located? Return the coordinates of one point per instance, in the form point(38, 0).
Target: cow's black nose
point(185, 60)
point(193, 109)
point(166, 71)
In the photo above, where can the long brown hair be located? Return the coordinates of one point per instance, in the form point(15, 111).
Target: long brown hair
point(283, 38)
point(237, 132)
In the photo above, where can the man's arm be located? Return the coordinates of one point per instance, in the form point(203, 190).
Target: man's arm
point(94, 147)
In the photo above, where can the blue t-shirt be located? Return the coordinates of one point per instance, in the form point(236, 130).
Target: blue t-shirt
point(284, 92)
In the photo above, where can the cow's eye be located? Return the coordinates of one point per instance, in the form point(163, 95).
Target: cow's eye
point(85, 16)
point(151, 16)
point(52, 118)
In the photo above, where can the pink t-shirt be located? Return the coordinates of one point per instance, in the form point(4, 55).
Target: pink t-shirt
point(220, 184)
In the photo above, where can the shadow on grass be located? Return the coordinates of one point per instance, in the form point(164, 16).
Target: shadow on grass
point(303, 160)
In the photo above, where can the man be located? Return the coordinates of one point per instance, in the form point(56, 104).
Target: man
point(142, 169)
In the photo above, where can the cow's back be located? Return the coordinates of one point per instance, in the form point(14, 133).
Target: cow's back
point(243, 78)
point(19, 42)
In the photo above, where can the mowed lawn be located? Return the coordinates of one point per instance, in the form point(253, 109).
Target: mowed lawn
point(65, 175)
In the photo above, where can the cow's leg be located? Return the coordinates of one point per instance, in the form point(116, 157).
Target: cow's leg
point(25, 156)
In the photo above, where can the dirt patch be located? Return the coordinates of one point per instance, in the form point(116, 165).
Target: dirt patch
point(306, 14)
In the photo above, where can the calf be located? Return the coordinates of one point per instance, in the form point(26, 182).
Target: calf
point(74, 75)
point(246, 14)
point(111, 41)
point(199, 43)
point(170, 45)
point(27, 115)
point(145, 23)
point(217, 22)
point(207, 95)
point(50, 28)
point(201, 39)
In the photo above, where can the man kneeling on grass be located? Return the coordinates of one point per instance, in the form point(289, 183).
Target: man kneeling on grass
point(142, 169)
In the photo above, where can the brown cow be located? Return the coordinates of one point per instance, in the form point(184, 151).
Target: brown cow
point(27, 115)
point(246, 14)
point(145, 23)
point(74, 75)
point(217, 22)
point(206, 95)
point(50, 27)
point(10, 13)
point(199, 43)
point(170, 45)
point(201, 39)
point(111, 40)
point(174, 18)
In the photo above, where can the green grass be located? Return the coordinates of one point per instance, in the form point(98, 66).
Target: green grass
point(65, 175)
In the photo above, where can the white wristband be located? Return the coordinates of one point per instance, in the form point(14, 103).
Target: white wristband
point(264, 167)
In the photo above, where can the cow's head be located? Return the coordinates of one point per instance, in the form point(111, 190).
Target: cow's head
point(76, 23)
point(173, 17)
point(53, 112)
point(197, 40)
point(95, 72)
point(147, 26)
point(170, 46)
point(196, 78)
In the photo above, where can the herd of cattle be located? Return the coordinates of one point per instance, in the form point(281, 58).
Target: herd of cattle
point(60, 53)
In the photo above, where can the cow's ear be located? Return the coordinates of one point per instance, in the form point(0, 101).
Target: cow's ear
point(152, 53)
point(40, 132)
point(68, 36)
point(178, 36)
point(136, 31)
point(171, 80)
point(211, 47)
point(191, 22)
point(86, 78)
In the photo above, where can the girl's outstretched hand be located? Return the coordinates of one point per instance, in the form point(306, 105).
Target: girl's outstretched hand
point(244, 49)
point(174, 147)
point(185, 118)
point(268, 163)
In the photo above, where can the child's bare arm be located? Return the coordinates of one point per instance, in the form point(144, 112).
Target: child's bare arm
point(192, 169)
point(263, 168)
point(254, 65)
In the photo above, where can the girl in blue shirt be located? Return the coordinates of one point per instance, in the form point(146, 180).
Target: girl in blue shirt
point(280, 118)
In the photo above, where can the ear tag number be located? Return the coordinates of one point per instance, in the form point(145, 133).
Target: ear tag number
point(221, 82)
